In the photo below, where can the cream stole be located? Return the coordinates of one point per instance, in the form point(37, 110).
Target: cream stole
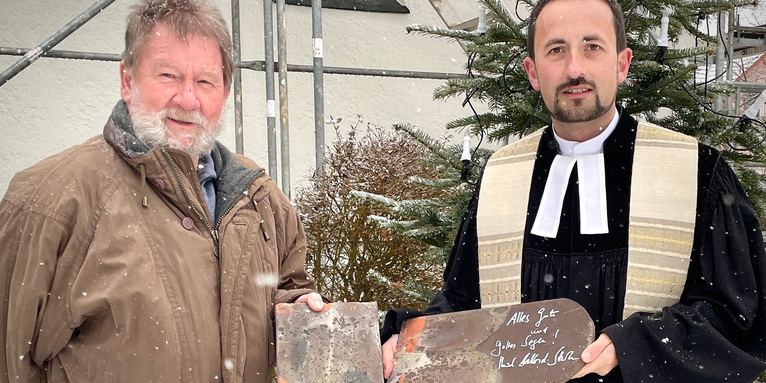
point(662, 211)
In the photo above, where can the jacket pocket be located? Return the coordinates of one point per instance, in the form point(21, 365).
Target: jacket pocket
point(250, 255)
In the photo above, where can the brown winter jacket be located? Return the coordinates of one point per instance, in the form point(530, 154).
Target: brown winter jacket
point(98, 286)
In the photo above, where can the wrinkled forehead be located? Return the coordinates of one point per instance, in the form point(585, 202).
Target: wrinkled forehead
point(163, 33)
point(164, 38)
point(165, 50)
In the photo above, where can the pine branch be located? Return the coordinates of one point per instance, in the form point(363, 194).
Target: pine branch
point(432, 145)
point(404, 207)
point(434, 183)
point(441, 32)
point(500, 14)
point(663, 92)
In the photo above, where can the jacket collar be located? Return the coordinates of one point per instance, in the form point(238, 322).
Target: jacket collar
point(234, 177)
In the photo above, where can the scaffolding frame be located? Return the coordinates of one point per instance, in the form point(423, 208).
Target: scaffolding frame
point(743, 91)
point(268, 65)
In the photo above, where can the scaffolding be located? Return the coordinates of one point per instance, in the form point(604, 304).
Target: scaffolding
point(737, 35)
point(269, 66)
point(742, 41)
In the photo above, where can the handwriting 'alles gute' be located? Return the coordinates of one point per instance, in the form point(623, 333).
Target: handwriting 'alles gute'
point(543, 332)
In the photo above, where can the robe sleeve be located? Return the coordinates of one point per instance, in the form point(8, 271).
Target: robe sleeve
point(717, 332)
point(461, 277)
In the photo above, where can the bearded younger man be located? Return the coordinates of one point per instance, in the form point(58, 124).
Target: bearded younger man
point(644, 227)
point(150, 253)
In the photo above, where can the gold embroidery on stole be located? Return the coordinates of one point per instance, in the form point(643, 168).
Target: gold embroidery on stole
point(662, 212)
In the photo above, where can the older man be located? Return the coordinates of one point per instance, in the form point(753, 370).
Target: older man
point(647, 229)
point(150, 253)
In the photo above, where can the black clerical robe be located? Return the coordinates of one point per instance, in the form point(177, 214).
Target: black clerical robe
point(716, 333)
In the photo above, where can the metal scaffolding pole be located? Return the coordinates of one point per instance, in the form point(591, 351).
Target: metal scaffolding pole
point(316, 29)
point(58, 54)
point(258, 65)
point(261, 66)
point(237, 78)
point(719, 59)
point(751, 87)
point(285, 136)
point(271, 116)
point(52, 41)
point(730, 63)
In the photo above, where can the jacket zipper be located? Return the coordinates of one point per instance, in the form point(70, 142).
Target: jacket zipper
point(212, 229)
point(177, 172)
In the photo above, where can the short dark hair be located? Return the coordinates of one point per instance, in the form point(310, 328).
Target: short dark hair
point(619, 25)
point(184, 18)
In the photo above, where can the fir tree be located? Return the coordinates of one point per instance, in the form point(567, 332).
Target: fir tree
point(660, 86)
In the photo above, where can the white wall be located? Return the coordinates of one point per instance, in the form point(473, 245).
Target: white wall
point(55, 103)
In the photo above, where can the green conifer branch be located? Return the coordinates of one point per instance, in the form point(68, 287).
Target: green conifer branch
point(440, 32)
point(501, 15)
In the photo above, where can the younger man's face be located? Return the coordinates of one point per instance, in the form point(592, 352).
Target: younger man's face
point(577, 67)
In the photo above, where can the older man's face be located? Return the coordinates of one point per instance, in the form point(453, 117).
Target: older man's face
point(175, 93)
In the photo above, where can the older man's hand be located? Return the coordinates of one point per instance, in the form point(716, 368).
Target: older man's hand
point(314, 300)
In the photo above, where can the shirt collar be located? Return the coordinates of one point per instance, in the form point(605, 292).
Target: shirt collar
point(593, 146)
point(206, 168)
point(589, 158)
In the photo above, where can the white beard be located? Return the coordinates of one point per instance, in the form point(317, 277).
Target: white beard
point(152, 130)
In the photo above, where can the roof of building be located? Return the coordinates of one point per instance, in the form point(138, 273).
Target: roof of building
point(740, 68)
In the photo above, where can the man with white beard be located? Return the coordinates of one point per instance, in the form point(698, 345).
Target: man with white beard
point(151, 252)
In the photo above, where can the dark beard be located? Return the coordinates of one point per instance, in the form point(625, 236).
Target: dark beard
point(578, 113)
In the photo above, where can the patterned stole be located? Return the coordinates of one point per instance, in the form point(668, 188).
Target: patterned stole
point(663, 204)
